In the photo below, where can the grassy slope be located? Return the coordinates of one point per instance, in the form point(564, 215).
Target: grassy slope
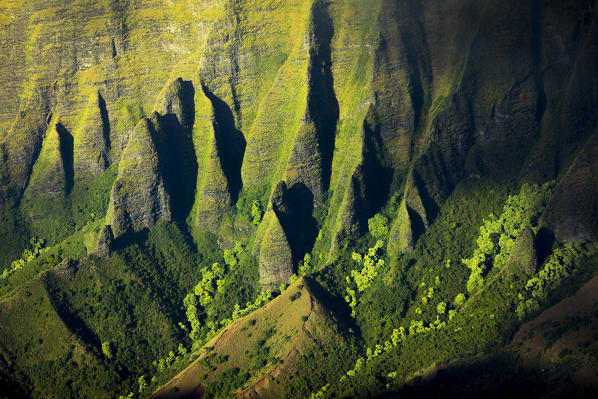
point(552, 355)
point(40, 346)
point(133, 301)
point(270, 345)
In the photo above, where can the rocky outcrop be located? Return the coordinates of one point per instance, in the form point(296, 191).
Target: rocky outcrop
point(276, 259)
point(353, 216)
point(67, 269)
point(215, 199)
point(174, 122)
point(177, 99)
point(311, 158)
point(369, 184)
point(523, 257)
point(402, 236)
point(105, 242)
point(139, 198)
point(306, 163)
point(572, 212)
point(289, 223)
point(222, 165)
point(411, 220)
point(92, 140)
point(52, 173)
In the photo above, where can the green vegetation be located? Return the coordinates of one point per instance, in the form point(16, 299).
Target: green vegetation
point(378, 226)
point(28, 256)
point(498, 235)
point(559, 266)
point(398, 129)
point(362, 279)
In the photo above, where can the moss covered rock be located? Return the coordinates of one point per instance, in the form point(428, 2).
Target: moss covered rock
point(401, 234)
point(177, 99)
point(276, 258)
point(139, 199)
point(105, 242)
point(523, 257)
point(215, 199)
point(52, 172)
point(91, 140)
point(305, 164)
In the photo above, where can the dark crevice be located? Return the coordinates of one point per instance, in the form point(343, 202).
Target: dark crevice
point(105, 121)
point(230, 143)
point(377, 178)
point(293, 207)
point(429, 204)
point(38, 137)
point(301, 202)
point(322, 105)
point(178, 161)
point(544, 241)
point(418, 226)
point(66, 153)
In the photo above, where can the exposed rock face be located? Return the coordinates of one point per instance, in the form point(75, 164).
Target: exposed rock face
point(401, 234)
point(55, 53)
point(104, 245)
point(305, 164)
point(367, 190)
point(215, 198)
point(411, 220)
point(290, 223)
point(52, 174)
point(523, 257)
point(276, 258)
point(352, 220)
point(173, 123)
point(177, 99)
point(311, 159)
point(572, 212)
point(92, 140)
point(139, 199)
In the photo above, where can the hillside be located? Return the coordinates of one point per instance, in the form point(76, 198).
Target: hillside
point(260, 352)
point(182, 182)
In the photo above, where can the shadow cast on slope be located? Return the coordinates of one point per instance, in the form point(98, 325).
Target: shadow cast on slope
point(230, 142)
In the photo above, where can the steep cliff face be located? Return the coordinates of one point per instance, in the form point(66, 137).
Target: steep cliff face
point(91, 142)
point(139, 198)
point(447, 91)
point(572, 213)
point(323, 113)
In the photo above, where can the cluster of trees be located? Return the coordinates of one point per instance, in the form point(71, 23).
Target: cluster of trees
point(37, 248)
point(359, 280)
point(398, 336)
point(498, 234)
point(378, 226)
point(232, 256)
point(257, 212)
point(558, 266)
point(201, 295)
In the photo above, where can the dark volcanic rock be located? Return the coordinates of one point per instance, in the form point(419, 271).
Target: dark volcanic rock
point(139, 199)
point(572, 212)
point(104, 245)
